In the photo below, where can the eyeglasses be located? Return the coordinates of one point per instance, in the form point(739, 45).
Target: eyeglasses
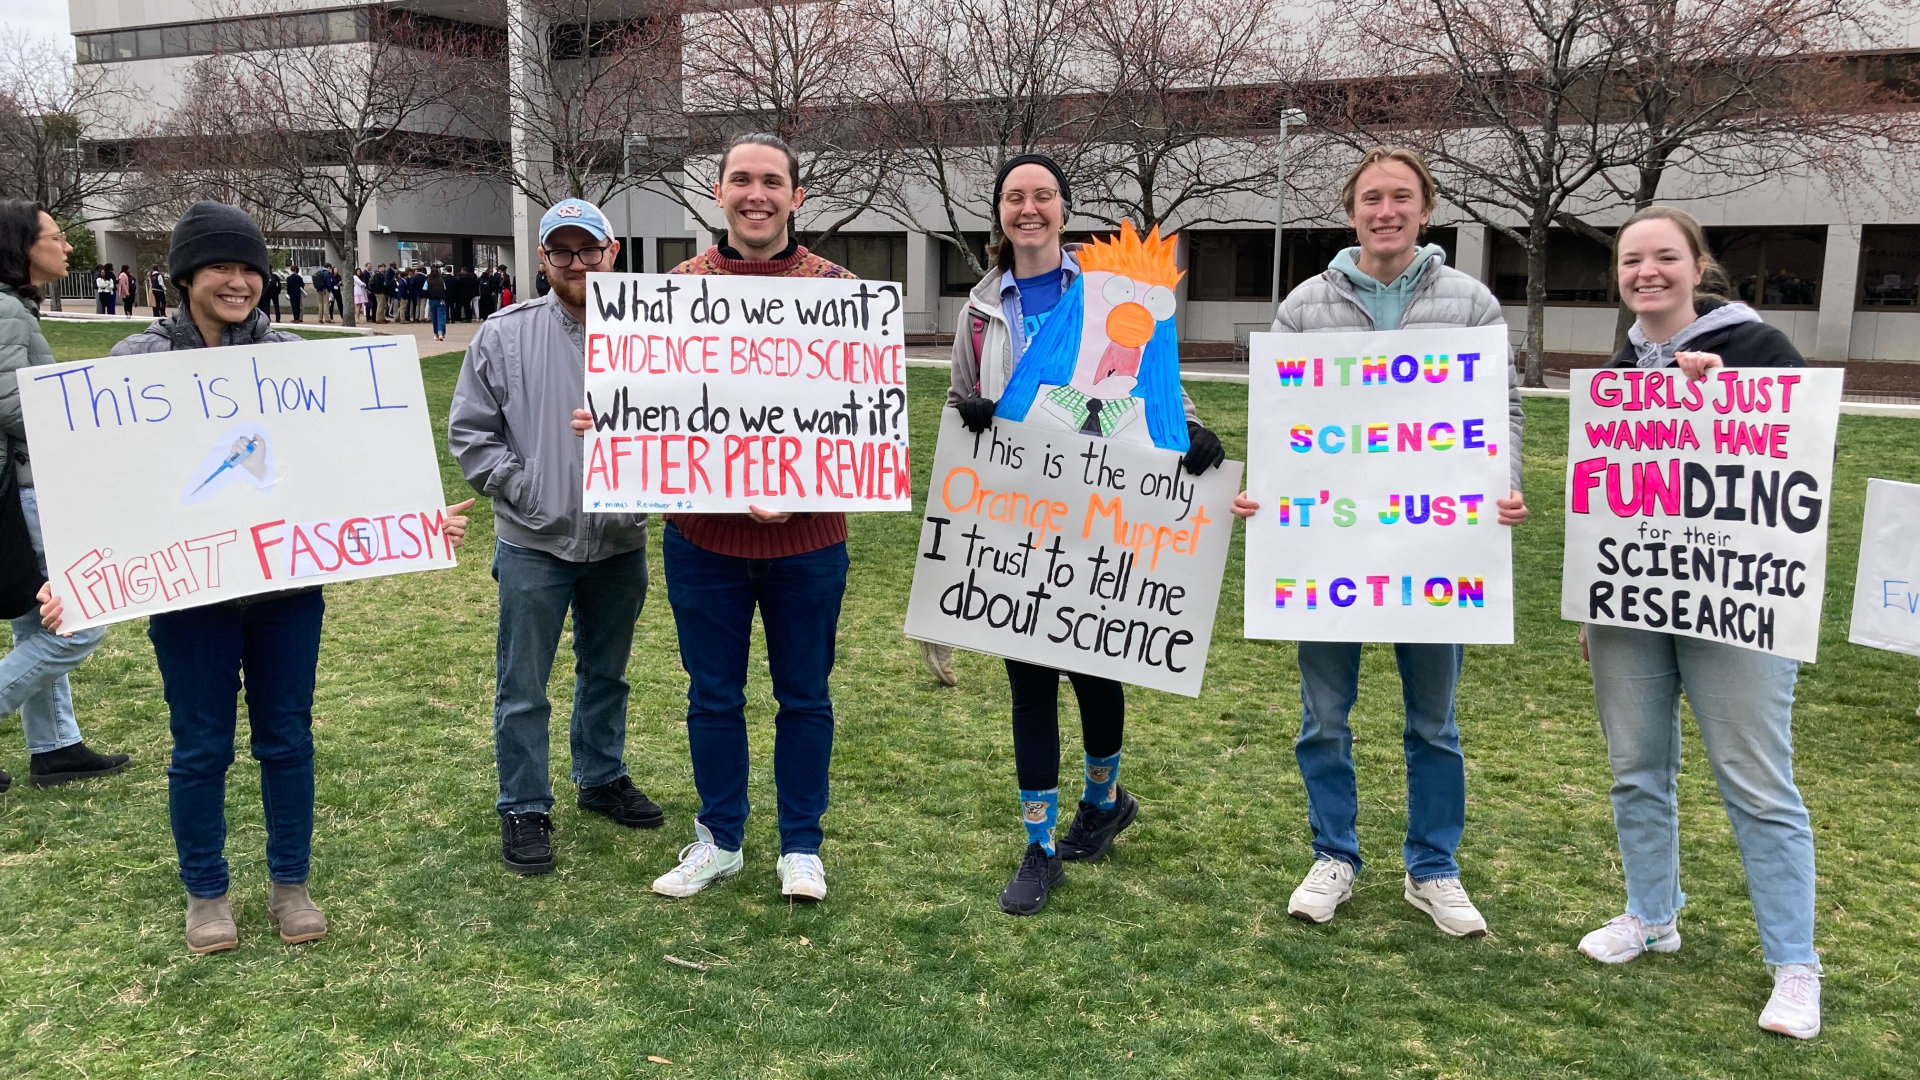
point(60, 236)
point(1014, 200)
point(561, 258)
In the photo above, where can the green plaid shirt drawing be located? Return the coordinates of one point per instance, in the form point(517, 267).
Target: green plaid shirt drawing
point(1075, 403)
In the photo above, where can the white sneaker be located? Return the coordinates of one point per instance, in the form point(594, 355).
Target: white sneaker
point(701, 864)
point(1447, 903)
point(802, 877)
point(1328, 885)
point(1627, 936)
point(938, 659)
point(1794, 1008)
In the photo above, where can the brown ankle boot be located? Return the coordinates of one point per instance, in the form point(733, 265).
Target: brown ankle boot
point(210, 925)
point(295, 913)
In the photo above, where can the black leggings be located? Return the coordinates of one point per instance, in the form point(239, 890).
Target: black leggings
point(1036, 720)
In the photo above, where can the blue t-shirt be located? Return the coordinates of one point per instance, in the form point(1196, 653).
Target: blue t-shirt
point(1039, 295)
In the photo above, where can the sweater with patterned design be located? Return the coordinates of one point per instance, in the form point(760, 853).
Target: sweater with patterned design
point(740, 535)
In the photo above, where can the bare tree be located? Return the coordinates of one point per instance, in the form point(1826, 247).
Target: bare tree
point(47, 104)
point(779, 67)
point(1191, 90)
point(594, 75)
point(962, 86)
point(312, 132)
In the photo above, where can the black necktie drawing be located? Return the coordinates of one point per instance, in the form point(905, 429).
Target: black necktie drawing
point(1092, 426)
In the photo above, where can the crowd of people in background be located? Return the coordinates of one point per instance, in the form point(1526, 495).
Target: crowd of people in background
point(385, 292)
point(436, 293)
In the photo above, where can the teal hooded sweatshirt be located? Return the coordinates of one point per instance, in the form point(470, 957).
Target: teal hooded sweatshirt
point(1386, 303)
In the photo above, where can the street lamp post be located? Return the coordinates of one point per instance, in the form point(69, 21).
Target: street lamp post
point(626, 169)
point(1287, 120)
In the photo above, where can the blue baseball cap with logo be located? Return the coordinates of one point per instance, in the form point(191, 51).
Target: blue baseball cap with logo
point(576, 212)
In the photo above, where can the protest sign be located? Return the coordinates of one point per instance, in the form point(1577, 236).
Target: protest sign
point(1072, 551)
point(716, 393)
point(1886, 591)
point(1700, 508)
point(175, 480)
point(1377, 459)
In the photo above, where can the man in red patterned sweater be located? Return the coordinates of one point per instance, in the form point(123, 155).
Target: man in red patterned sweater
point(720, 566)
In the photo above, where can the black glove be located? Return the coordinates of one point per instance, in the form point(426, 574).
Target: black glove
point(1203, 449)
point(977, 413)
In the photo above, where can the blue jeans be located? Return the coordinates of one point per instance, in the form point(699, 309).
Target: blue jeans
point(1436, 771)
point(713, 598)
point(203, 654)
point(536, 589)
point(439, 309)
point(1743, 703)
point(33, 676)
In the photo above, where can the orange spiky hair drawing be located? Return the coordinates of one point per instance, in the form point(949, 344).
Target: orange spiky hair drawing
point(1149, 260)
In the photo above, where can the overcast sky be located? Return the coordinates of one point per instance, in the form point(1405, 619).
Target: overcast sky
point(45, 18)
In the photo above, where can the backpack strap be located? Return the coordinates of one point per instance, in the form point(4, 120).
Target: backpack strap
point(978, 325)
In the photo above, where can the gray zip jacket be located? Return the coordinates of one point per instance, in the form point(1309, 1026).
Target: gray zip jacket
point(510, 430)
point(1444, 298)
point(22, 345)
point(970, 374)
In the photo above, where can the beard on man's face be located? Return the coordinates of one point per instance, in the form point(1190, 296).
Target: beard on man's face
point(571, 290)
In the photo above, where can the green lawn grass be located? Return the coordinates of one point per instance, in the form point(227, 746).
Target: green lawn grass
point(1174, 958)
point(87, 339)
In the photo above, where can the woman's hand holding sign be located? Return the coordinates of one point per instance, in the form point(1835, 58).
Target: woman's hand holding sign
point(1695, 365)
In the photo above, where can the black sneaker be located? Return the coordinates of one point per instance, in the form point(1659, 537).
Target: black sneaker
point(1027, 893)
point(526, 842)
point(6, 779)
point(70, 763)
point(1093, 829)
point(624, 803)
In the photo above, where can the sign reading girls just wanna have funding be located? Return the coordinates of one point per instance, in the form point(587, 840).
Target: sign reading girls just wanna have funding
point(1377, 460)
point(717, 393)
point(175, 480)
point(1701, 508)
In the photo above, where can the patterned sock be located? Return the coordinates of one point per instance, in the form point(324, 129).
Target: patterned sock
point(1041, 811)
point(1103, 779)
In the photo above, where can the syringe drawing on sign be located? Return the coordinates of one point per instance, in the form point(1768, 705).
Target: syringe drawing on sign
point(240, 455)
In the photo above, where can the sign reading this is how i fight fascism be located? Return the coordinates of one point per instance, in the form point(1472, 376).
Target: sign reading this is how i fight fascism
point(716, 393)
point(1072, 551)
point(1701, 508)
point(1377, 459)
point(174, 480)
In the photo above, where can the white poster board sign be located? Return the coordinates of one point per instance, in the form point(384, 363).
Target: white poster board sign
point(1072, 551)
point(173, 480)
point(1886, 591)
point(1377, 459)
point(716, 393)
point(1701, 508)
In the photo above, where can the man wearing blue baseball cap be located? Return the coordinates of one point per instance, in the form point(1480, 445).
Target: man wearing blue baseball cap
point(522, 377)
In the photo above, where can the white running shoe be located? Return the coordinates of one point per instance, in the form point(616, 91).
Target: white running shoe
point(1627, 936)
point(1794, 1008)
point(938, 659)
point(701, 864)
point(1328, 885)
point(802, 877)
point(1447, 903)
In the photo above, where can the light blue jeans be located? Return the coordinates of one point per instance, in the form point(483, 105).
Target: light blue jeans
point(1743, 703)
point(33, 677)
point(1436, 771)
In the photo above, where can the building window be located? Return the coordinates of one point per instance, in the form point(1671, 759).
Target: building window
point(672, 251)
point(1579, 269)
point(873, 256)
point(1308, 252)
point(956, 277)
point(1236, 265)
point(1890, 267)
point(286, 31)
point(1773, 267)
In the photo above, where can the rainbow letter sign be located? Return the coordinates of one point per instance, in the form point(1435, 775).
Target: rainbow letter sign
point(1376, 459)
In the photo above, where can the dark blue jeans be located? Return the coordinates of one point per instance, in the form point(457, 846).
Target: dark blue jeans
point(1436, 771)
point(203, 653)
point(536, 589)
point(713, 598)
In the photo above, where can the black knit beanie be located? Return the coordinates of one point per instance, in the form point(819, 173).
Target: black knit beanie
point(212, 232)
point(1045, 162)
